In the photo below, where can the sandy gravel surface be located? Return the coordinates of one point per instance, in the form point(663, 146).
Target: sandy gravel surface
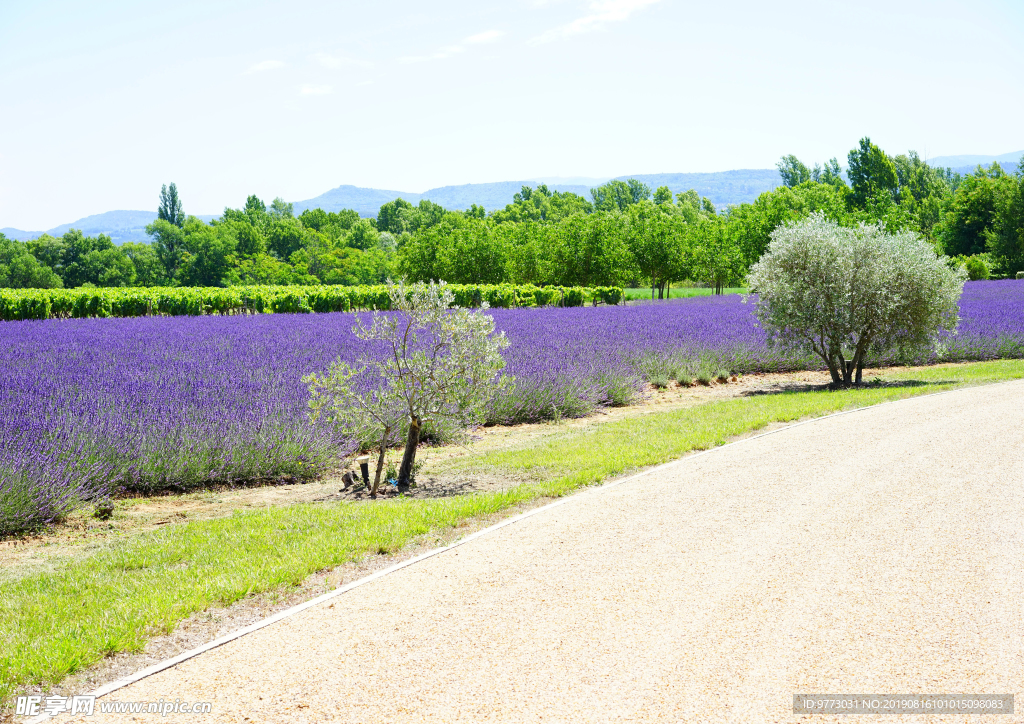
point(875, 552)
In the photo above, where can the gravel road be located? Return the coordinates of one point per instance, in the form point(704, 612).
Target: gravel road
point(875, 552)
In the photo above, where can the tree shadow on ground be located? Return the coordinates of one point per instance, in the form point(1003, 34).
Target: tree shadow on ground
point(877, 383)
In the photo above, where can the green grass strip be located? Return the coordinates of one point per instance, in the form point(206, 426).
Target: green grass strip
point(57, 622)
point(596, 452)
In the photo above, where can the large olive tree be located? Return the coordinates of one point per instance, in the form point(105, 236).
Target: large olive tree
point(439, 367)
point(844, 292)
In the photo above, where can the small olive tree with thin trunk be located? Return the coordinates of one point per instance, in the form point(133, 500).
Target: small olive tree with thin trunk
point(440, 368)
point(843, 293)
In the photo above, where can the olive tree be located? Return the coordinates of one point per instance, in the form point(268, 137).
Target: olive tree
point(435, 365)
point(844, 292)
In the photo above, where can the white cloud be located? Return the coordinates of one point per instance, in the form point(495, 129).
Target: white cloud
point(266, 65)
point(315, 90)
point(335, 62)
point(445, 52)
point(488, 36)
point(602, 12)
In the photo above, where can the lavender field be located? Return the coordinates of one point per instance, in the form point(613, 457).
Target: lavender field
point(90, 408)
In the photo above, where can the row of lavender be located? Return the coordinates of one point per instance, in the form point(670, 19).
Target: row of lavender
point(92, 407)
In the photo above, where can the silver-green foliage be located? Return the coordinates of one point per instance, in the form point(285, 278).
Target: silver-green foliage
point(844, 292)
point(440, 368)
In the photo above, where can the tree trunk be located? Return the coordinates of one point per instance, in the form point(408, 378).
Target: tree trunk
point(830, 361)
point(380, 461)
point(837, 379)
point(846, 370)
point(862, 351)
point(409, 456)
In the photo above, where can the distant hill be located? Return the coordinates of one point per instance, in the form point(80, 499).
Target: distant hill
point(971, 162)
point(722, 187)
point(366, 201)
point(493, 195)
point(120, 226)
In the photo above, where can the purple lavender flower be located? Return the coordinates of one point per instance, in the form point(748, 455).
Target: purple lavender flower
point(92, 406)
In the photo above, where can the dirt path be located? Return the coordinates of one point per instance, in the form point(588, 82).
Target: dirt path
point(874, 552)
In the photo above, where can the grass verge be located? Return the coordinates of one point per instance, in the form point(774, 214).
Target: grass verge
point(59, 621)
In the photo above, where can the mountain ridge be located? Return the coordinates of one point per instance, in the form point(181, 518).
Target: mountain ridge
point(721, 187)
point(969, 161)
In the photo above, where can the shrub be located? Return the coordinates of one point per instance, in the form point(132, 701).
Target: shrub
point(976, 268)
point(841, 292)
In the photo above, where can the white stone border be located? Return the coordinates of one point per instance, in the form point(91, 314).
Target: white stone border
point(289, 612)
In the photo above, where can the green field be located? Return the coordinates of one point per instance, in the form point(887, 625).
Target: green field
point(679, 292)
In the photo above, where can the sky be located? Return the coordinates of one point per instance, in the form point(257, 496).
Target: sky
point(102, 101)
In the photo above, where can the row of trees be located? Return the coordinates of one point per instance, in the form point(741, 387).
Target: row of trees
point(962, 215)
point(625, 234)
point(538, 240)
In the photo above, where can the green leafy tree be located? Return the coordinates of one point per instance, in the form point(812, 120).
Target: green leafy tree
point(977, 268)
point(48, 250)
point(1005, 241)
point(470, 253)
point(390, 217)
point(250, 239)
point(831, 174)
point(255, 210)
point(531, 247)
point(970, 217)
point(663, 195)
point(441, 369)
point(618, 195)
point(715, 257)
point(638, 191)
point(169, 243)
point(592, 251)
point(315, 219)
point(285, 236)
point(459, 249)
point(691, 206)
point(792, 171)
point(281, 209)
point(751, 225)
point(872, 173)
point(528, 204)
point(565, 204)
point(20, 270)
point(69, 256)
point(149, 271)
point(363, 235)
point(208, 255)
point(923, 192)
point(265, 269)
point(541, 204)
point(107, 268)
point(170, 206)
point(842, 293)
point(656, 241)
